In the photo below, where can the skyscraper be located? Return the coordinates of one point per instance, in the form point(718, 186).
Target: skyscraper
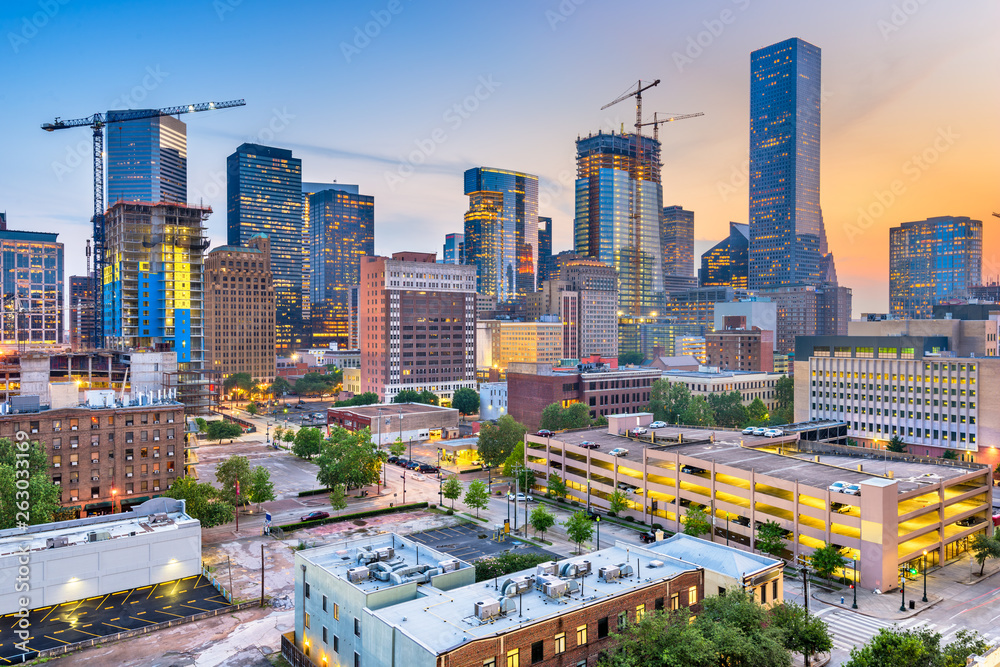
point(146, 160)
point(342, 231)
point(597, 287)
point(309, 189)
point(546, 261)
point(619, 211)
point(31, 300)
point(264, 196)
point(454, 249)
point(930, 260)
point(81, 312)
point(501, 231)
point(727, 262)
point(785, 220)
point(678, 249)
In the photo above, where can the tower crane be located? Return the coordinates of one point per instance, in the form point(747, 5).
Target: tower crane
point(637, 94)
point(657, 122)
point(96, 123)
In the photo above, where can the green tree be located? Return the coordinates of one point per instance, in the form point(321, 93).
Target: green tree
point(826, 560)
point(579, 528)
point(493, 567)
point(950, 455)
point(556, 486)
point(911, 647)
point(288, 435)
point(397, 448)
point(428, 397)
point(896, 445)
point(316, 384)
point(308, 443)
point(407, 396)
point(801, 631)
point(658, 399)
point(784, 393)
point(698, 413)
point(279, 387)
point(728, 409)
point(235, 468)
point(349, 458)
point(201, 502)
point(739, 628)
point(27, 495)
point(261, 488)
point(541, 519)
point(661, 638)
point(577, 415)
point(984, 547)
point(367, 398)
point(477, 497)
point(238, 384)
point(674, 399)
point(221, 429)
point(757, 413)
point(525, 479)
point(202, 424)
point(252, 409)
point(452, 490)
point(770, 538)
point(617, 502)
point(514, 460)
point(278, 431)
point(338, 498)
point(631, 358)
point(696, 521)
point(551, 417)
point(966, 643)
point(496, 441)
point(466, 401)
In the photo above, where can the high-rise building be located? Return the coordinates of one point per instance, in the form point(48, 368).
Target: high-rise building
point(264, 196)
point(785, 220)
point(554, 298)
point(697, 306)
point(678, 249)
point(807, 310)
point(417, 325)
point(81, 312)
point(597, 286)
point(501, 231)
point(310, 189)
point(619, 212)
point(146, 160)
point(645, 334)
point(353, 316)
point(239, 310)
point(546, 260)
point(31, 300)
point(737, 348)
point(931, 260)
point(454, 249)
point(342, 231)
point(727, 263)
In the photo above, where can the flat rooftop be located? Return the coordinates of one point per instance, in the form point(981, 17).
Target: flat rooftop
point(441, 621)
point(390, 409)
point(714, 556)
point(713, 375)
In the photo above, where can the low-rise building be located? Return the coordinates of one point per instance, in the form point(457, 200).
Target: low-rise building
point(352, 380)
point(751, 385)
point(394, 421)
point(492, 400)
point(514, 341)
point(740, 349)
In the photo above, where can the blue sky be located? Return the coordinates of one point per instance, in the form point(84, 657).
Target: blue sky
point(434, 88)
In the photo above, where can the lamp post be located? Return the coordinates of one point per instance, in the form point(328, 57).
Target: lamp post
point(924, 599)
point(727, 528)
point(440, 492)
point(855, 603)
point(902, 588)
point(598, 532)
point(403, 476)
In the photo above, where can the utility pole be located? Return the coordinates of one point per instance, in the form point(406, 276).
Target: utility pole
point(805, 594)
point(261, 574)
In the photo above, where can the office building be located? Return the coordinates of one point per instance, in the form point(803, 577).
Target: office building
point(501, 231)
point(697, 306)
point(342, 231)
point(619, 212)
point(727, 263)
point(453, 251)
point(691, 346)
point(353, 316)
point(737, 348)
point(678, 249)
point(990, 292)
point(596, 283)
point(905, 508)
point(81, 312)
point(146, 160)
point(394, 421)
point(417, 325)
point(645, 334)
point(310, 189)
point(555, 299)
point(492, 400)
point(239, 310)
point(500, 342)
point(752, 312)
point(264, 196)
point(546, 260)
point(967, 336)
point(808, 310)
point(933, 260)
point(31, 300)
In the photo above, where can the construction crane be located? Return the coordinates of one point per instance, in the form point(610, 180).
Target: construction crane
point(97, 123)
point(996, 215)
point(637, 94)
point(657, 122)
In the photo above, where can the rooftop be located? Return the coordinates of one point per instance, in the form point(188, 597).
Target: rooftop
point(442, 621)
point(716, 375)
point(389, 409)
point(717, 557)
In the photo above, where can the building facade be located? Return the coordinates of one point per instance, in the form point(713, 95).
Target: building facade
point(737, 348)
point(511, 340)
point(31, 266)
point(751, 385)
point(646, 334)
point(239, 310)
point(596, 283)
point(678, 249)
point(453, 251)
point(546, 260)
point(264, 196)
point(417, 325)
point(146, 160)
point(81, 312)
point(311, 189)
point(554, 298)
point(697, 306)
point(492, 400)
point(808, 310)
point(727, 263)
point(390, 422)
point(933, 260)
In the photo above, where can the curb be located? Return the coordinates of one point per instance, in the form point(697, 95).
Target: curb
point(896, 617)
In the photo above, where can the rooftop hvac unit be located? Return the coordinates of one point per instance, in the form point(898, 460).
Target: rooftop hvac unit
point(56, 542)
point(546, 568)
point(357, 575)
point(487, 609)
point(386, 553)
point(517, 585)
point(555, 588)
point(98, 536)
point(448, 565)
point(656, 563)
point(159, 517)
point(609, 573)
point(577, 569)
point(625, 569)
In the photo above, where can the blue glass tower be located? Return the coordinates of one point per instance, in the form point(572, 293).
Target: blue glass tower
point(146, 160)
point(454, 249)
point(785, 220)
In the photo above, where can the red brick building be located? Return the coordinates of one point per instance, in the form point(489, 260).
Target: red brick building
point(740, 349)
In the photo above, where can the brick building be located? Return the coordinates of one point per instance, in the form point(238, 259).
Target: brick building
point(739, 349)
point(403, 421)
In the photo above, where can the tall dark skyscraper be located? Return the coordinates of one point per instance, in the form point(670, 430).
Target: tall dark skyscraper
point(785, 220)
point(264, 196)
point(727, 262)
point(546, 261)
point(678, 249)
point(146, 160)
point(341, 231)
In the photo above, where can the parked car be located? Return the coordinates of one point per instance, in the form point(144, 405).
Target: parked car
point(647, 537)
point(852, 490)
point(837, 487)
point(639, 430)
point(749, 430)
point(996, 519)
point(760, 430)
point(544, 433)
point(427, 468)
point(841, 508)
point(593, 515)
point(412, 465)
point(392, 459)
point(969, 521)
point(658, 424)
point(401, 462)
point(742, 520)
point(693, 470)
point(586, 444)
point(773, 433)
point(626, 488)
point(315, 516)
point(518, 497)
point(618, 451)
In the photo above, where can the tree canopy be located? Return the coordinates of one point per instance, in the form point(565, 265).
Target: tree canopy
point(630, 358)
point(555, 417)
point(826, 560)
point(201, 501)
point(413, 396)
point(279, 387)
point(317, 384)
point(466, 401)
point(240, 383)
point(696, 522)
point(308, 443)
point(497, 441)
point(579, 528)
point(895, 444)
point(916, 647)
point(27, 494)
point(367, 398)
point(477, 496)
point(222, 429)
point(770, 538)
point(349, 458)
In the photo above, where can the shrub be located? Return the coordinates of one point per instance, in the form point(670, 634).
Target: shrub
point(450, 512)
point(657, 526)
point(432, 506)
point(629, 518)
point(505, 563)
point(612, 514)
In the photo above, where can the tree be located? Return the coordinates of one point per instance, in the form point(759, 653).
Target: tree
point(770, 538)
point(541, 519)
point(802, 632)
point(202, 424)
point(261, 488)
point(757, 413)
point(238, 383)
point(452, 490)
point(669, 401)
point(950, 455)
point(661, 638)
point(551, 419)
point(826, 560)
point(280, 387)
point(397, 448)
point(201, 502)
point(696, 522)
point(234, 469)
point(428, 397)
point(617, 502)
point(741, 631)
point(407, 396)
point(728, 409)
point(316, 384)
point(515, 459)
point(493, 567)
point(525, 479)
point(631, 358)
point(556, 486)
point(338, 498)
point(278, 431)
point(579, 528)
point(966, 643)
point(911, 647)
point(288, 435)
point(698, 413)
point(477, 497)
point(221, 429)
point(784, 392)
point(308, 443)
point(252, 409)
point(984, 547)
point(349, 458)
point(466, 401)
point(27, 495)
point(577, 415)
point(896, 445)
point(496, 441)
point(367, 398)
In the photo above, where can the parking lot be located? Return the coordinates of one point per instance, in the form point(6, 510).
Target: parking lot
point(470, 542)
point(99, 616)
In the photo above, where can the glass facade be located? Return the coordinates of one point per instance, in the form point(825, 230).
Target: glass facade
point(453, 251)
point(932, 260)
point(678, 248)
point(546, 260)
point(785, 220)
point(727, 263)
point(309, 189)
point(146, 160)
point(341, 232)
point(31, 268)
point(264, 196)
point(619, 215)
point(501, 231)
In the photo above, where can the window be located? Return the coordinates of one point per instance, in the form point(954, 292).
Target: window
point(336, 611)
point(640, 611)
point(357, 659)
point(675, 601)
point(763, 594)
point(581, 635)
point(774, 589)
point(336, 644)
point(357, 627)
point(305, 585)
point(536, 652)
point(692, 595)
point(560, 644)
point(490, 662)
point(307, 619)
point(658, 604)
point(324, 603)
point(513, 659)
point(324, 634)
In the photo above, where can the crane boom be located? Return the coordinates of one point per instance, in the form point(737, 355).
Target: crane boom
point(657, 122)
point(137, 114)
point(637, 94)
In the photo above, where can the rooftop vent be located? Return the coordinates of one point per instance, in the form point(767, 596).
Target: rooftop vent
point(656, 563)
point(56, 542)
point(357, 575)
point(609, 573)
point(448, 565)
point(487, 609)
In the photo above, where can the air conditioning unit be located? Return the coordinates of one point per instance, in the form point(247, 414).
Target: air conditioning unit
point(73, 445)
point(156, 455)
point(56, 446)
point(128, 474)
point(487, 609)
point(156, 438)
point(96, 495)
point(156, 421)
point(73, 463)
point(57, 482)
point(358, 575)
point(55, 465)
point(129, 441)
point(170, 421)
point(608, 573)
point(156, 488)
point(128, 458)
point(73, 428)
point(95, 479)
point(34, 430)
point(73, 498)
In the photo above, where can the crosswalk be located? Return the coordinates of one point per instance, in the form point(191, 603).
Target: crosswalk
point(849, 629)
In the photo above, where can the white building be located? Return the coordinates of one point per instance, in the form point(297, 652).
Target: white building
point(492, 400)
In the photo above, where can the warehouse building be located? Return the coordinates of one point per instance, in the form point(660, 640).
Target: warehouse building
point(395, 421)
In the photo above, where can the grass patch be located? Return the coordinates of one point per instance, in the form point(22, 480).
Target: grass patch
point(476, 518)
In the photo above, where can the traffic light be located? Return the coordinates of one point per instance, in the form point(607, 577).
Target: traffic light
point(914, 571)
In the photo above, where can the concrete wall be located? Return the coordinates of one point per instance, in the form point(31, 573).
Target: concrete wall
point(147, 370)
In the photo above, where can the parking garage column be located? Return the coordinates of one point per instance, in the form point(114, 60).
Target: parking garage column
point(879, 534)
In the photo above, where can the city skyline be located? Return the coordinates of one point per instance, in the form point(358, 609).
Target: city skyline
point(904, 139)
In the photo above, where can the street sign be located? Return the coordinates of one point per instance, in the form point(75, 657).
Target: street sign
point(267, 523)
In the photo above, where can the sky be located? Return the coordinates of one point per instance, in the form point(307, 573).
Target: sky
point(402, 96)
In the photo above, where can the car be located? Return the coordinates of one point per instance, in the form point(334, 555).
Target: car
point(392, 459)
point(748, 430)
point(586, 444)
point(626, 488)
point(693, 470)
point(314, 516)
point(544, 433)
point(593, 515)
point(742, 520)
point(852, 490)
point(773, 433)
point(519, 497)
point(837, 487)
point(968, 521)
point(647, 537)
point(618, 451)
point(841, 508)
point(427, 468)
point(412, 465)
point(760, 430)
point(639, 430)
point(401, 462)
point(658, 424)
point(996, 519)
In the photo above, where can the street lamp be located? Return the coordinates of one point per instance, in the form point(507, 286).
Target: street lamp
point(855, 604)
point(902, 588)
point(924, 599)
point(598, 519)
point(403, 477)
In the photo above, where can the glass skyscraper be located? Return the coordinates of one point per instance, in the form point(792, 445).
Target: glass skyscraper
point(546, 261)
point(619, 215)
point(31, 271)
point(501, 231)
point(932, 260)
point(785, 220)
point(146, 160)
point(726, 264)
point(341, 232)
point(264, 196)
point(453, 251)
point(678, 249)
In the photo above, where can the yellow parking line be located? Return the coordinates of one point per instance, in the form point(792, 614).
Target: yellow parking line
point(114, 626)
point(50, 610)
point(56, 639)
point(143, 619)
point(170, 614)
